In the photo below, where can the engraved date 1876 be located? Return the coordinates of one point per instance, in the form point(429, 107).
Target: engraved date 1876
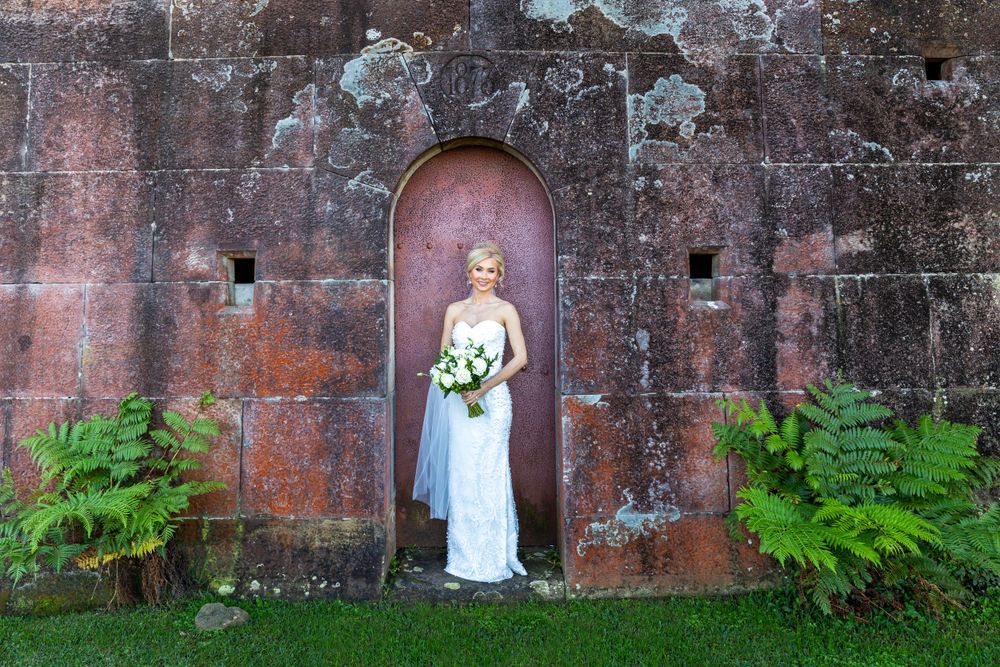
point(469, 78)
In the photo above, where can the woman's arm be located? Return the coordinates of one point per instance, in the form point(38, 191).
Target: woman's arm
point(520, 359)
point(449, 322)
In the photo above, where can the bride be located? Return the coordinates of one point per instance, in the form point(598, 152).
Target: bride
point(463, 471)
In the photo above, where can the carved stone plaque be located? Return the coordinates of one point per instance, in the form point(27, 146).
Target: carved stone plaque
point(469, 78)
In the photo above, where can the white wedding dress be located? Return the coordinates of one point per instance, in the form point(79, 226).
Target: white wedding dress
point(482, 521)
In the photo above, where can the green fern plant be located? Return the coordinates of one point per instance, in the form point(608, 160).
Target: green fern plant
point(110, 491)
point(850, 503)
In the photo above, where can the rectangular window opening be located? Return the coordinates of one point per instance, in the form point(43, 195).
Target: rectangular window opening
point(939, 61)
point(241, 273)
point(704, 269)
point(935, 69)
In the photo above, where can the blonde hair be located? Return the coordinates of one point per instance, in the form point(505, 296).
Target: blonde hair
point(486, 250)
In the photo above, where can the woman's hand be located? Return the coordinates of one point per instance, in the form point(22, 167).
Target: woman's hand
point(470, 397)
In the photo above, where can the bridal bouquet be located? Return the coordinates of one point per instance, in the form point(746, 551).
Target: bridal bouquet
point(461, 369)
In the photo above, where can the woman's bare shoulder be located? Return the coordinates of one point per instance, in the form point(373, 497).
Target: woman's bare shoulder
point(454, 308)
point(507, 309)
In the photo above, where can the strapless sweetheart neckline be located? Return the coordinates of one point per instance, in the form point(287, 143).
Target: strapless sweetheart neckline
point(473, 326)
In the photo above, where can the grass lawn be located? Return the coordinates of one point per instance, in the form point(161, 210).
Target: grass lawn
point(766, 628)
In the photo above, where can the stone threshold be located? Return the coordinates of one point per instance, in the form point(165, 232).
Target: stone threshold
point(420, 577)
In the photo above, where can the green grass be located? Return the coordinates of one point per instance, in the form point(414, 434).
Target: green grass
point(766, 628)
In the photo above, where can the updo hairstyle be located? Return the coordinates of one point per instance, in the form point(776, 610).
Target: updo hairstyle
point(486, 250)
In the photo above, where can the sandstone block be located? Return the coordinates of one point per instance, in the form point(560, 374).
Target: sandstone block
point(570, 119)
point(74, 30)
point(75, 227)
point(318, 458)
point(965, 316)
point(653, 451)
point(89, 116)
point(799, 211)
point(13, 115)
point(882, 28)
point(681, 208)
point(885, 337)
point(39, 334)
point(236, 113)
point(917, 219)
point(371, 123)
point(630, 553)
point(701, 31)
point(301, 225)
point(177, 340)
point(206, 29)
point(685, 112)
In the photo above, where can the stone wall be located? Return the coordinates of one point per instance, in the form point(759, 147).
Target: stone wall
point(852, 204)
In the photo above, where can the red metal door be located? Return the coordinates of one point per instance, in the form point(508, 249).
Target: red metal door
point(454, 200)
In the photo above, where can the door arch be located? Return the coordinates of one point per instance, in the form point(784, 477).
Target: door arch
point(449, 200)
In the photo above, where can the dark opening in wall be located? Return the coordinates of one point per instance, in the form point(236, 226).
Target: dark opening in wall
point(704, 269)
point(241, 273)
point(939, 61)
point(935, 69)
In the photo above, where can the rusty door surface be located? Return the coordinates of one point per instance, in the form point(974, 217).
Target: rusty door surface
point(454, 200)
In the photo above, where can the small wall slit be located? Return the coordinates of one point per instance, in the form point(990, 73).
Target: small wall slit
point(240, 269)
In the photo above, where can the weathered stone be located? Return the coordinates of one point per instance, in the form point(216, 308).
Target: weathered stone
point(806, 340)
point(338, 558)
point(681, 112)
point(665, 341)
point(173, 339)
point(233, 113)
point(570, 119)
point(340, 466)
point(884, 110)
point(885, 331)
point(47, 594)
point(75, 30)
point(13, 116)
point(641, 456)
point(876, 27)
point(287, 558)
point(699, 30)
point(597, 344)
point(723, 345)
point(799, 211)
point(20, 419)
point(301, 226)
point(684, 208)
point(471, 94)
point(90, 116)
point(62, 228)
point(371, 123)
point(851, 109)
point(797, 105)
point(217, 616)
point(41, 327)
point(207, 29)
point(980, 408)
point(965, 317)
point(917, 219)
point(595, 231)
point(641, 554)
point(421, 579)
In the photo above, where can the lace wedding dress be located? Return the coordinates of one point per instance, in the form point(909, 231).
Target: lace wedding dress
point(482, 522)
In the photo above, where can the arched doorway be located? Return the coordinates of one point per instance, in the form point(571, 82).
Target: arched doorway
point(451, 201)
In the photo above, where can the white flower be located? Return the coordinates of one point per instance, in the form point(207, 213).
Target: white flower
point(446, 380)
point(479, 366)
point(463, 376)
point(435, 374)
